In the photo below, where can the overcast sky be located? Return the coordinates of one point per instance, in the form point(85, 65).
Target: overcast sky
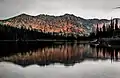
point(82, 8)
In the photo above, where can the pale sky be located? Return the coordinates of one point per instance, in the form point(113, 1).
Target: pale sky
point(84, 8)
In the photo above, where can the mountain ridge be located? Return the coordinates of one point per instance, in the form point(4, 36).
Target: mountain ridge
point(67, 23)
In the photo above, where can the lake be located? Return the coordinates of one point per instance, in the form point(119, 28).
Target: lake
point(58, 60)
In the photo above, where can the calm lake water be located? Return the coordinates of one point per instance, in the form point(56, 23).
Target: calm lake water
point(59, 60)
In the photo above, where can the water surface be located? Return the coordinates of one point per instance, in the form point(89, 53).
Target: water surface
point(66, 60)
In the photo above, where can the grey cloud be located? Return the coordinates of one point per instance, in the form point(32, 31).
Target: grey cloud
point(2, 0)
point(13, 7)
point(117, 7)
point(85, 8)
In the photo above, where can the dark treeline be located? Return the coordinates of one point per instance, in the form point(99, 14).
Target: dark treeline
point(111, 30)
point(15, 33)
point(11, 48)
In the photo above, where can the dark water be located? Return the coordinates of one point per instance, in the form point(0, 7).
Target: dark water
point(58, 60)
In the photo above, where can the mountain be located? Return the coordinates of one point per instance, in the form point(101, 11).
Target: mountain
point(67, 23)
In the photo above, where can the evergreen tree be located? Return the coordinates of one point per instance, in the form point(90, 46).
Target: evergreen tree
point(112, 24)
point(104, 28)
point(116, 24)
point(97, 31)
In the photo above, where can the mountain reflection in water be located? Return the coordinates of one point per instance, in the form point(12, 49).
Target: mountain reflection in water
point(67, 54)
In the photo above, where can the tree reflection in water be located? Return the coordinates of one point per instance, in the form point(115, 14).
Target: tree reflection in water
point(67, 54)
